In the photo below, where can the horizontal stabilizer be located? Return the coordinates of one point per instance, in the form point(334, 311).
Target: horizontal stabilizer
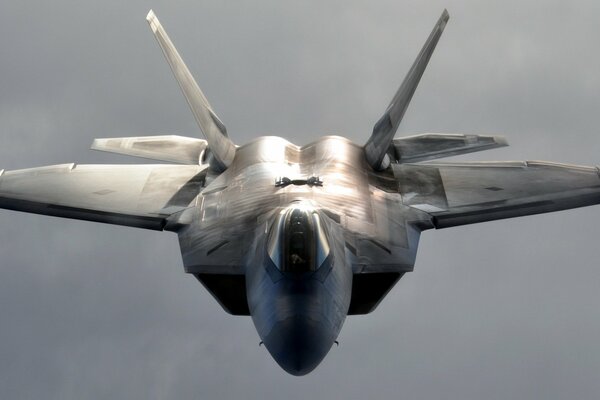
point(429, 146)
point(170, 148)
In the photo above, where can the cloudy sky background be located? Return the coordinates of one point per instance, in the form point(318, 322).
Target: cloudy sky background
point(506, 309)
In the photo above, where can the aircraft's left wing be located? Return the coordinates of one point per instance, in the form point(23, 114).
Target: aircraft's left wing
point(465, 193)
point(142, 196)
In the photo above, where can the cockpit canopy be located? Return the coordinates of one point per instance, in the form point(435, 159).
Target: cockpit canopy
point(297, 241)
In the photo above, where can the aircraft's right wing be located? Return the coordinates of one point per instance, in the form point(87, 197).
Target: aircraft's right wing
point(142, 196)
point(465, 193)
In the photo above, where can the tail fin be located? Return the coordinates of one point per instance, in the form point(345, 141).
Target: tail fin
point(221, 147)
point(384, 130)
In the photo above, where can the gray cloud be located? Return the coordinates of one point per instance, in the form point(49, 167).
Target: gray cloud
point(506, 309)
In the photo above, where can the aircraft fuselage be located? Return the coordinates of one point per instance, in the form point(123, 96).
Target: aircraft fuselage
point(240, 227)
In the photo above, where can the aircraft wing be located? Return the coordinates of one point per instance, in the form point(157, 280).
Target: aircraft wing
point(466, 193)
point(142, 196)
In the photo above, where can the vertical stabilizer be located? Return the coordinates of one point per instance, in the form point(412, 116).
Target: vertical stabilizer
point(221, 147)
point(384, 130)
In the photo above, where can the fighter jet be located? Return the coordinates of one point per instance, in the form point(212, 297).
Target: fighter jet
point(299, 237)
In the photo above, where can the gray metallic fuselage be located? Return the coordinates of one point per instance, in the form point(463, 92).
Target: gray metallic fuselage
point(299, 237)
point(298, 315)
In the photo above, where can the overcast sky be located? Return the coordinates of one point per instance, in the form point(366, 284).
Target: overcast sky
point(506, 309)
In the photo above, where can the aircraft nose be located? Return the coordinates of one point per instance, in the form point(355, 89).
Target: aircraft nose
point(299, 344)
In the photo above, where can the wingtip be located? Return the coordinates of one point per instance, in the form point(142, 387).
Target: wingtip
point(501, 141)
point(95, 144)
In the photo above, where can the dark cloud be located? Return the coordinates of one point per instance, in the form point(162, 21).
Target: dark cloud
point(506, 309)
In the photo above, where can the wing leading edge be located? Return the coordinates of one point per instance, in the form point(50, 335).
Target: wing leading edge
point(465, 193)
point(142, 196)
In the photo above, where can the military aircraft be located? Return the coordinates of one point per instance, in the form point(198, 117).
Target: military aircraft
point(299, 237)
